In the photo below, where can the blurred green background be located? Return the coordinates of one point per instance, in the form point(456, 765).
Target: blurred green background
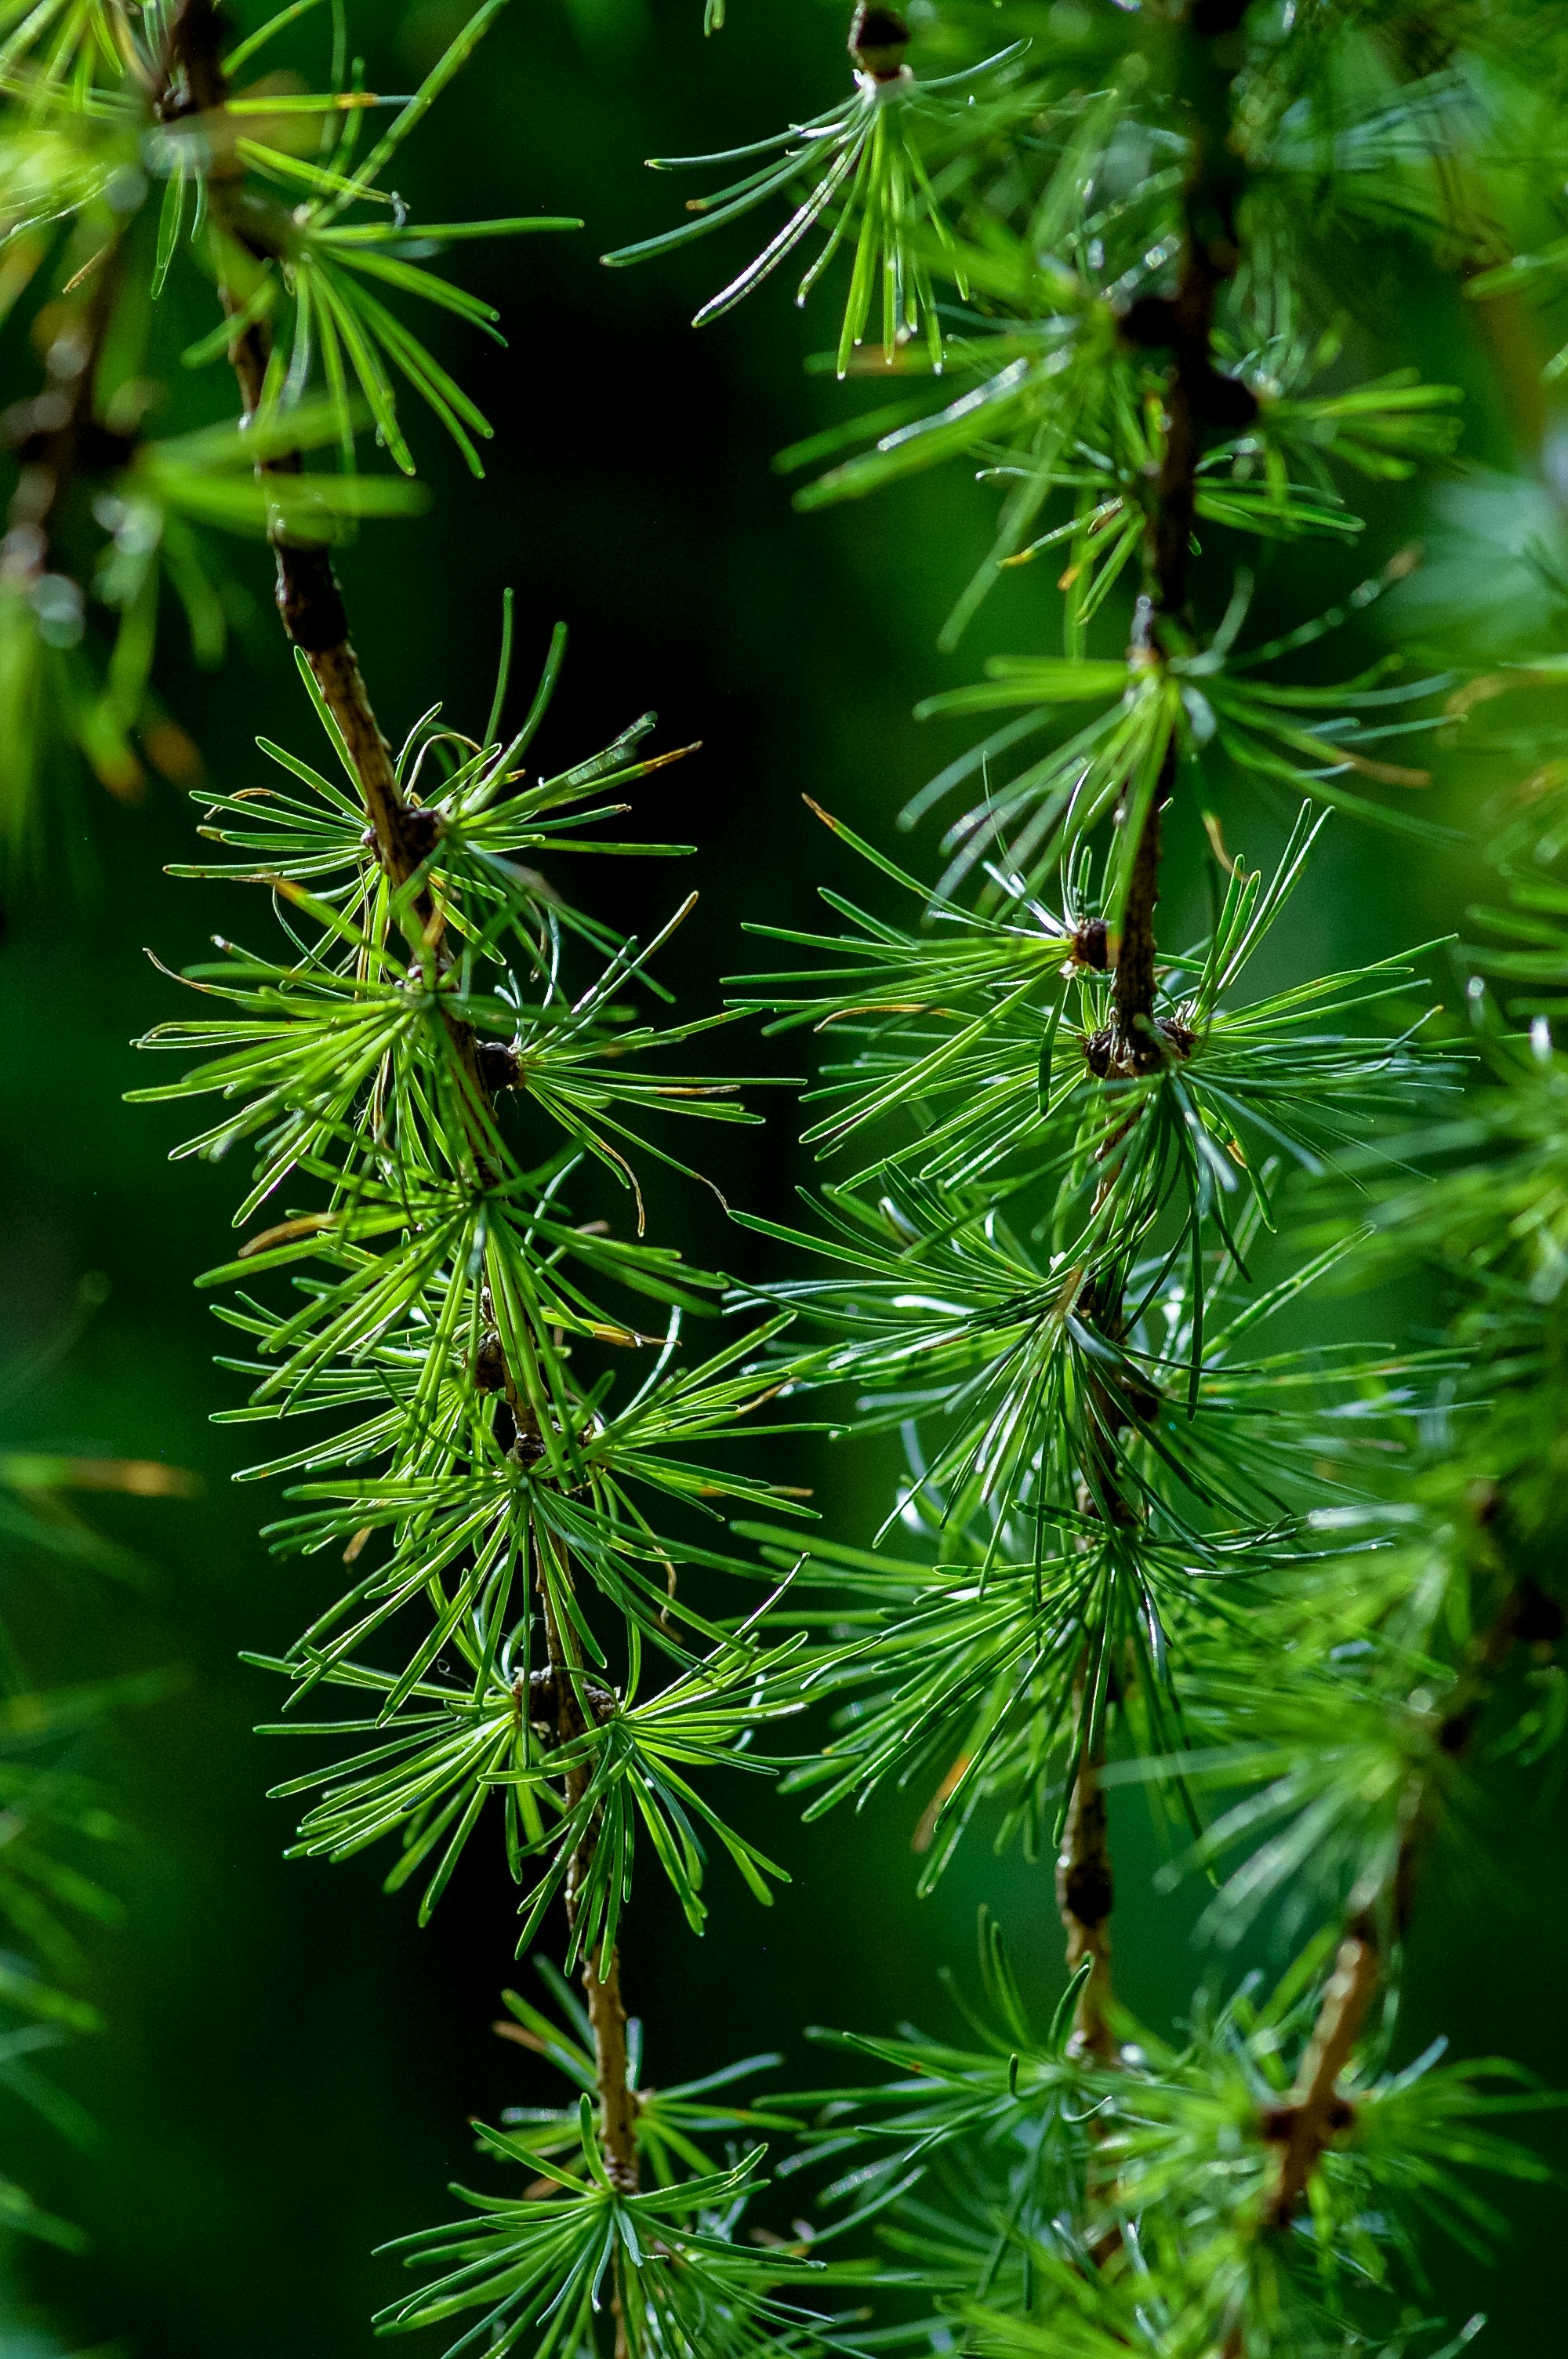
point(290, 2064)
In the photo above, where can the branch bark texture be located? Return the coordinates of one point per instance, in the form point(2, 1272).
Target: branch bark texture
point(1198, 398)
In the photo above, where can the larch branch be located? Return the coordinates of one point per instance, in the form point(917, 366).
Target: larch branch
point(311, 608)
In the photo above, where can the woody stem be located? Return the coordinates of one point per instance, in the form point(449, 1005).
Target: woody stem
point(1307, 2126)
point(1196, 396)
point(310, 604)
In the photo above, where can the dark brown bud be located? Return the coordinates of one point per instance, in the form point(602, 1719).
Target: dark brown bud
point(1091, 944)
point(421, 832)
point(545, 1697)
point(1097, 1052)
point(1277, 2123)
point(1154, 323)
point(500, 1066)
point(1225, 401)
point(877, 40)
point(490, 1364)
point(102, 451)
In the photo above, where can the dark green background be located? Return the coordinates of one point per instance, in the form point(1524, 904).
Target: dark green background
point(290, 2064)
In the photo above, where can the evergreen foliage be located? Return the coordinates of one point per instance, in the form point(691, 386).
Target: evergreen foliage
point(1291, 1587)
point(57, 1820)
point(1289, 1590)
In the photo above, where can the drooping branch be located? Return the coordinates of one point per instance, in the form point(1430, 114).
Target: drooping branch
point(607, 2014)
point(1379, 1912)
point(308, 598)
point(1198, 398)
point(404, 834)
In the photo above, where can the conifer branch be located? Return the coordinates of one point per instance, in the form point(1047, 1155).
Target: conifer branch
point(600, 1978)
point(1130, 1528)
point(1044, 1284)
point(1378, 1917)
point(314, 616)
point(308, 598)
point(1197, 398)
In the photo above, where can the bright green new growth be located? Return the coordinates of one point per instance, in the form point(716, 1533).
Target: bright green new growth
point(525, 1509)
point(867, 171)
point(1287, 1590)
point(451, 1082)
point(1145, 1537)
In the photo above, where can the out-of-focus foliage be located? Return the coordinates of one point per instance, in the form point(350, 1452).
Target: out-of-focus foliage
point(54, 1818)
point(129, 162)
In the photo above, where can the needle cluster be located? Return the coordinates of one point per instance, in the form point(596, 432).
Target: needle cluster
point(1158, 1526)
point(1088, 1173)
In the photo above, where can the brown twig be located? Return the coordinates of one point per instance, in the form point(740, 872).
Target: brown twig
point(1316, 2113)
point(308, 598)
point(1137, 1045)
point(1084, 1895)
point(1305, 2127)
point(1197, 397)
point(311, 608)
point(618, 2103)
